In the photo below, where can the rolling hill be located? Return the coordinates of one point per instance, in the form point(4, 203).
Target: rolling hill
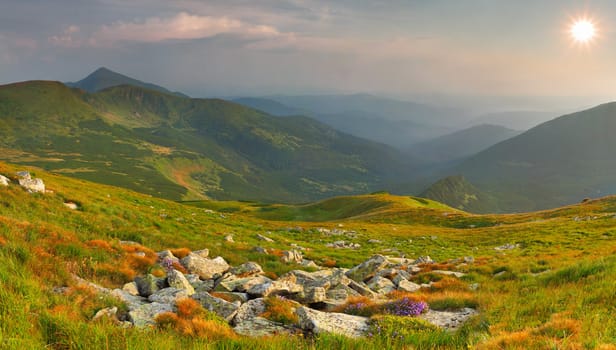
point(461, 144)
point(181, 148)
point(556, 163)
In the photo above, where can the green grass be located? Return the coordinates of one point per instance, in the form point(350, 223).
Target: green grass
point(569, 304)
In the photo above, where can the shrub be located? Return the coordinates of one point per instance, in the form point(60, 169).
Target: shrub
point(188, 308)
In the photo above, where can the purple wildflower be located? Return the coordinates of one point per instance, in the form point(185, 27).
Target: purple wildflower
point(167, 263)
point(407, 307)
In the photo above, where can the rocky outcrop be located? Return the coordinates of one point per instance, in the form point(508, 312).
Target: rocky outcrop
point(451, 320)
point(28, 183)
point(176, 279)
point(219, 306)
point(329, 322)
point(367, 269)
point(145, 315)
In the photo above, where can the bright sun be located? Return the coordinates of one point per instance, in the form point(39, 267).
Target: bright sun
point(583, 30)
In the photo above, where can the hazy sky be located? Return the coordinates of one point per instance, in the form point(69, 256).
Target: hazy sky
point(234, 47)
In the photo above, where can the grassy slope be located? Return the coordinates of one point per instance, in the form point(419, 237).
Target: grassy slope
point(569, 305)
point(180, 148)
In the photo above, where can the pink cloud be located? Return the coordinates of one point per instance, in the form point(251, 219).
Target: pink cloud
point(183, 26)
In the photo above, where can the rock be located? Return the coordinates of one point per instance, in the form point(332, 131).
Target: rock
point(32, 185)
point(388, 273)
point(309, 264)
point(284, 286)
point(145, 314)
point(260, 250)
point(450, 320)
point(168, 296)
point(71, 205)
point(261, 327)
point(449, 273)
point(131, 288)
point(367, 269)
point(132, 301)
point(423, 260)
point(263, 238)
point(219, 306)
point(233, 284)
point(176, 279)
point(313, 295)
point(408, 286)
point(374, 241)
point(249, 310)
point(381, 285)
point(247, 269)
point(4, 181)
point(507, 246)
point(149, 284)
point(203, 286)
point(108, 312)
point(167, 254)
point(229, 238)
point(343, 245)
point(292, 256)
point(204, 253)
point(232, 296)
point(328, 322)
point(362, 289)
point(204, 267)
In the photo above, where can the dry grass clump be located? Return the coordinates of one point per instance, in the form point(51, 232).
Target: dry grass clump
point(180, 252)
point(193, 321)
point(279, 309)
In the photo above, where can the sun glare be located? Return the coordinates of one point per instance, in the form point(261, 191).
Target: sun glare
point(583, 30)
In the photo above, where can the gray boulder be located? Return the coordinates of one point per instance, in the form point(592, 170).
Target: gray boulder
point(292, 256)
point(145, 315)
point(149, 284)
point(168, 296)
point(4, 181)
point(381, 285)
point(204, 267)
point(176, 279)
point(261, 327)
point(234, 284)
point(32, 185)
point(219, 306)
point(408, 286)
point(329, 322)
point(284, 286)
point(249, 310)
point(367, 269)
point(450, 320)
point(247, 269)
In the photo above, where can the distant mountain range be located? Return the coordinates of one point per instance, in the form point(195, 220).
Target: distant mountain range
point(181, 148)
point(556, 163)
point(461, 144)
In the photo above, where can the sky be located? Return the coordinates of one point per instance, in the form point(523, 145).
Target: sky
point(399, 48)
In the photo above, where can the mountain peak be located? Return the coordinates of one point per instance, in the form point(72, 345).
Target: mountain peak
point(104, 78)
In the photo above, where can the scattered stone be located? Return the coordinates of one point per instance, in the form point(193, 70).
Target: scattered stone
point(450, 320)
point(147, 285)
point(374, 241)
point(234, 284)
point(131, 301)
point(145, 315)
point(261, 327)
point(328, 322)
point(408, 286)
point(131, 288)
point(312, 295)
point(284, 286)
point(71, 205)
point(247, 269)
point(423, 260)
point(108, 312)
point(4, 181)
point(292, 256)
point(168, 296)
point(449, 273)
point(249, 310)
point(507, 246)
point(219, 306)
point(176, 279)
point(204, 253)
point(343, 245)
point(204, 267)
point(263, 238)
point(229, 238)
point(233, 296)
point(367, 269)
point(309, 264)
point(30, 184)
point(381, 285)
point(260, 250)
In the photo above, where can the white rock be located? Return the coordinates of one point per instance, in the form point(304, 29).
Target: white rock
point(329, 322)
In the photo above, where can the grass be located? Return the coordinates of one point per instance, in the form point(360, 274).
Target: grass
point(554, 291)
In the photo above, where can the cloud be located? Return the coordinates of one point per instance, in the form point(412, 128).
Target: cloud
point(183, 26)
point(68, 38)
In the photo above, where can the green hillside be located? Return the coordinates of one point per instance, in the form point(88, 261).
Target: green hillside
point(180, 148)
point(457, 192)
point(551, 289)
point(559, 162)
